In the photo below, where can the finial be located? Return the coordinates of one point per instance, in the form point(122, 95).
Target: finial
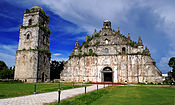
point(86, 38)
point(140, 41)
point(147, 50)
point(129, 36)
point(95, 31)
point(77, 44)
point(119, 29)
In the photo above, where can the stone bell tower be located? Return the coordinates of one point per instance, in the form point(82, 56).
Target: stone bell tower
point(33, 54)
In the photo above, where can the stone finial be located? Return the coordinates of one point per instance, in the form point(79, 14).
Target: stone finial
point(107, 24)
point(95, 31)
point(119, 29)
point(86, 38)
point(140, 41)
point(77, 44)
point(129, 36)
point(147, 50)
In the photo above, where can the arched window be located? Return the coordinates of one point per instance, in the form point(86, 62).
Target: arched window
point(28, 36)
point(106, 50)
point(30, 22)
point(106, 41)
point(123, 50)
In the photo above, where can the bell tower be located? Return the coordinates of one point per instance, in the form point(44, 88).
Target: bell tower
point(33, 53)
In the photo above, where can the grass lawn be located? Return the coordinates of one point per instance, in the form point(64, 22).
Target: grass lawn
point(125, 95)
point(10, 89)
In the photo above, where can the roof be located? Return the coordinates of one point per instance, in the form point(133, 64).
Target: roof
point(37, 7)
point(106, 21)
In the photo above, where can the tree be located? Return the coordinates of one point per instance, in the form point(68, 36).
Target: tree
point(2, 65)
point(55, 69)
point(5, 73)
point(172, 64)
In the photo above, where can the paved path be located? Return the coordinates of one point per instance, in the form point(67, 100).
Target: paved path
point(40, 99)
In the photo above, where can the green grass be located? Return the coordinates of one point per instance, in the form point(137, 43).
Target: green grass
point(11, 89)
point(117, 95)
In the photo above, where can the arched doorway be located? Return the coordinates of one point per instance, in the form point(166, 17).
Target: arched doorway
point(107, 74)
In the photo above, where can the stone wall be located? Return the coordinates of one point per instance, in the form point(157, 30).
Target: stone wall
point(33, 53)
point(128, 59)
point(130, 68)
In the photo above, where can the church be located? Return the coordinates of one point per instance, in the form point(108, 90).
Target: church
point(106, 56)
point(109, 56)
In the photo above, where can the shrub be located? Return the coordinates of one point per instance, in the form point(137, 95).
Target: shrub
point(97, 35)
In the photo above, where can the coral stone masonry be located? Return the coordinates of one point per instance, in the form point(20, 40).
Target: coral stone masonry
point(33, 54)
point(109, 56)
point(106, 56)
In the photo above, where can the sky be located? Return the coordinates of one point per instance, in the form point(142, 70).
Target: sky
point(71, 20)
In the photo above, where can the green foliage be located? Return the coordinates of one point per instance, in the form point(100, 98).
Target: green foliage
point(55, 69)
point(79, 55)
point(40, 50)
point(85, 43)
point(44, 51)
point(171, 63)
point(30, 26)
point(97, 43)
point(20, 89)
point(85, 54)
point(124, 95)
point(32, 10)
point(79, 47)
point(90, 52)
point(168, 81)
point(85, 99)
point(2, 65)
point(139, 53)
point(45, 29)
point(89, 38)
point(6, 74)
point(97, 35)
point(27, 11)
point(44, 14)
point(132, 44)
point(138, 96)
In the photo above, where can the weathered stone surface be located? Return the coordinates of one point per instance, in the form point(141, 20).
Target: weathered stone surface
point(33, 55)
point(126, 60)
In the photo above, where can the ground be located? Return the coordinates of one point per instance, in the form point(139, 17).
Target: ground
point(126, 95)
point(10, 89)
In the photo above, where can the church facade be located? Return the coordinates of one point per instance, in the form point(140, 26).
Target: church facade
point(109, 56)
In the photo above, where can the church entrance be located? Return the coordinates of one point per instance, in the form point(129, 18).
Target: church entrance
point(107, 74)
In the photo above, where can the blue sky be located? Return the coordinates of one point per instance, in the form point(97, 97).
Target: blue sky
point(71, 20)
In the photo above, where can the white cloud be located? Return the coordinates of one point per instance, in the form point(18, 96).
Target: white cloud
point(12, 29)
point(8, 53)
point(60, 59)
point(8, 59)
point(6, 16)
point(8, 48)
point(88, 15)
point(57, 54)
